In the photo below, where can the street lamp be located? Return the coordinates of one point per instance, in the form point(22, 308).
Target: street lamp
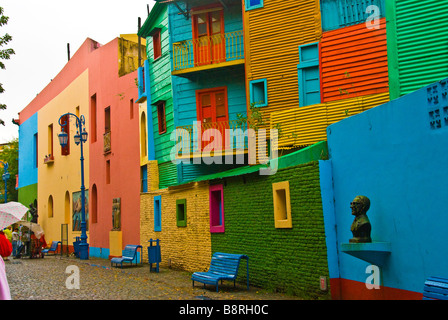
point(80, 138)
point(5, 177)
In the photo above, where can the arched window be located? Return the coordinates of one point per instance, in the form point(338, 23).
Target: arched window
point(67, 208)
point(50, 206)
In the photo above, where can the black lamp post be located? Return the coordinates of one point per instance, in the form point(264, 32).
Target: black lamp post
point(80, 138)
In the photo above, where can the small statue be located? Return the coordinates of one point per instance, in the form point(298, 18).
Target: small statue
point(33, 211)
point(361, 226)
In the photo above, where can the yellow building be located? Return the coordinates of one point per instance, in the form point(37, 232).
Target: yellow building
point(59, 175)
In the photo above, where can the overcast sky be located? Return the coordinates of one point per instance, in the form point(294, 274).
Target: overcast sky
point(41, 31)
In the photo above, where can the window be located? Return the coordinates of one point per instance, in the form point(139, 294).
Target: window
point(108, 172)
point(50, 141)
point(156, 43)
point(341, 13)
point(158, 213)
point(161, 116)
point(94, 204)
point(144, 178)
point(67, 208)
point(216, 209)
point(143, 148)
point(93, 118)
point(253, 4)
point(107, 120)
point(36, 150)
point(208, 35)
point(282, 205)
point(258, 90)
point(66, 128)
point(181, 212)
point(131, 109)
point(308, 74)
point(50, 206)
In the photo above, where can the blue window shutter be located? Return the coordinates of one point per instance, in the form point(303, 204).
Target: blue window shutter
point(158, 213)
point(308, 75)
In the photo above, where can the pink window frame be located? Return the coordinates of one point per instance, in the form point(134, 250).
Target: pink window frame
point(216, 228)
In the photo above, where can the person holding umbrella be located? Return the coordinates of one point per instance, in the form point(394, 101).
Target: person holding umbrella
point(5, 251)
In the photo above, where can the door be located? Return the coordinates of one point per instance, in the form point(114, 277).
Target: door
point(208, 38)
point(212, 114)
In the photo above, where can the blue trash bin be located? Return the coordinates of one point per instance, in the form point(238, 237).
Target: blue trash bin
point(154, 255)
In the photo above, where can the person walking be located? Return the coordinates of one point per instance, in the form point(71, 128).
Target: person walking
point(5, 251)
point(15, 241)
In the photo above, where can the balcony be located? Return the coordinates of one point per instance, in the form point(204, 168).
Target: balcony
point(208, 52)
point(225, 137)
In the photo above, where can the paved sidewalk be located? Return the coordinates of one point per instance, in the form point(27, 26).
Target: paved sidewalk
point(45, 279)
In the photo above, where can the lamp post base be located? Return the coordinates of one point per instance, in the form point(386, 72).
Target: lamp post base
point(84, 251)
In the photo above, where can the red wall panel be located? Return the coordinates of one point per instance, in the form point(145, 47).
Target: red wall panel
point(354, 62)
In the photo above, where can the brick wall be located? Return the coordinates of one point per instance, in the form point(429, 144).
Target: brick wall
point(290, 260)
point(187, 248)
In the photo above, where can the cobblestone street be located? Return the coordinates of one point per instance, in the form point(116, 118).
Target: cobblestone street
point(45, 279)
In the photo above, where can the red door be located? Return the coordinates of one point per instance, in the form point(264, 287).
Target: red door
point(208, 38)
point(212, 114)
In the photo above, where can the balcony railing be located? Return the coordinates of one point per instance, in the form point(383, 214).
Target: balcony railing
point(225, 136)
point(208, 50)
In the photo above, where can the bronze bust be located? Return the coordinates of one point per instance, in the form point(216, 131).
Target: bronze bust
point(361, 226)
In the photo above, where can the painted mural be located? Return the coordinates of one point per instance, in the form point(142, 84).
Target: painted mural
point(77, 210)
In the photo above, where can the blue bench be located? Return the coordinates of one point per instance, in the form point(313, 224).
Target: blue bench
point(435, 289)
point(223, 266)
point(129, 255)
point(53, 248)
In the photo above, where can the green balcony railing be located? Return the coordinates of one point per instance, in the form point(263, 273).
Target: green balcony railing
point(208, 50)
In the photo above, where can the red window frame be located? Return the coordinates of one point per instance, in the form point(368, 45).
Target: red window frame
point(161, 116)
point(157, 43)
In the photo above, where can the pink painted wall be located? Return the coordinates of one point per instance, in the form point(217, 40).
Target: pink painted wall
point(114, 92)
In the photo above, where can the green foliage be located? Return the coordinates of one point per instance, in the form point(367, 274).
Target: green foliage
point(10, 155)
point(5, 54)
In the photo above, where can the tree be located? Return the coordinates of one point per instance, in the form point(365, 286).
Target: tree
point(10, 155)
point(5, 54)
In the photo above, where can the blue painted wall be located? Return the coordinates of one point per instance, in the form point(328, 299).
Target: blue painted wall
point(395, 154)
point(27, 152)
point(184, 89)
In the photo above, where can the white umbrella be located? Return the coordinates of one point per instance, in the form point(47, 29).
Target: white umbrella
point(36, 228)
point(10, 213)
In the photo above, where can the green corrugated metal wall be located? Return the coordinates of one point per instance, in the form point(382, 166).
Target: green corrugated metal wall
point(417, 34)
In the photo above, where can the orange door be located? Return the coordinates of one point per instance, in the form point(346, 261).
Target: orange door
point(212, 114)
point(208, 38)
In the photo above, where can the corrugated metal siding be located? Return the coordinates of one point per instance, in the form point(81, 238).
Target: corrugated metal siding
point(307, 125)
point(167, 174)
point(354, 62)
point(274, 35)
point(421, 39)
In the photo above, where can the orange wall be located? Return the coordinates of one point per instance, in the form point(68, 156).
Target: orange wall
point(354, 62)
